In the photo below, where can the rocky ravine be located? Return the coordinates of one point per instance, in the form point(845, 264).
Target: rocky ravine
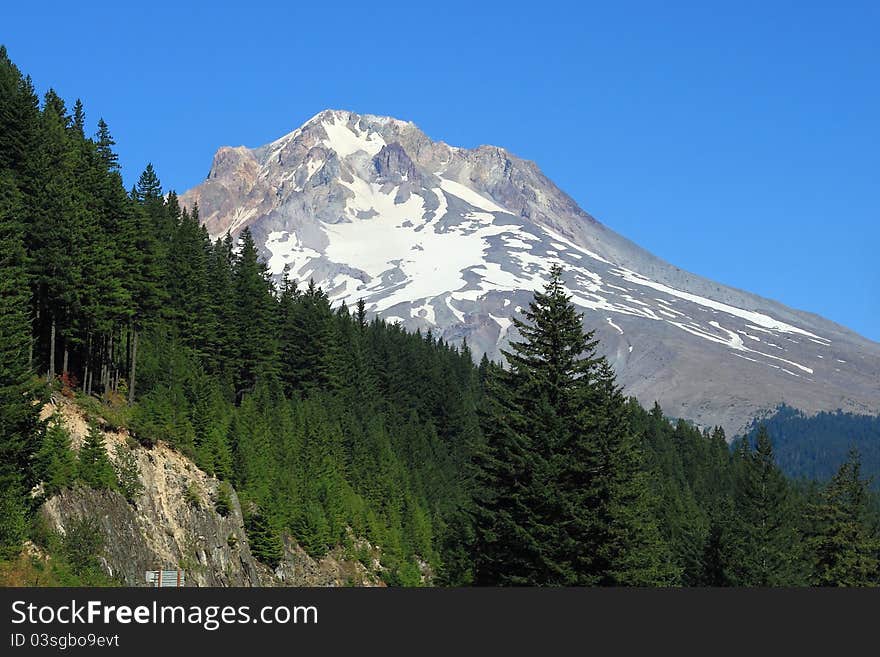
point(455, 240)
point(162, 529)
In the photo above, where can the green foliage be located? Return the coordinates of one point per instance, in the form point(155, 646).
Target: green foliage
point(94, 467)
point(192, 497)
point(264, 540)
point(19, 432)
point(562, 497)
point(765, 542)
point(127, 473)
point(55, 461)
point(813, 447)
point(223, 503)
point(13, 522)
point(844, 543)
point(254, 315)
point(334, 424)
point(82, 545)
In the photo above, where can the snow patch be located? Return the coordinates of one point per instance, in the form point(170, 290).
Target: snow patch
point(312, 166)
point(468, 195)
point(425, 312)
point(286, 249)
point(345, 141)
point(757, 318)
point(240, 217)
point(458, 314)
point(504, 323)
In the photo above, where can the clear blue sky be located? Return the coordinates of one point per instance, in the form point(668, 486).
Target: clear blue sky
point(738, 140)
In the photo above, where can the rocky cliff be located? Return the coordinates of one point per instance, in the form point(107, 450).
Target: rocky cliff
point(173, 524)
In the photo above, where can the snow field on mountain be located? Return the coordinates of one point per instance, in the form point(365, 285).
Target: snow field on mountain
point(345, 142)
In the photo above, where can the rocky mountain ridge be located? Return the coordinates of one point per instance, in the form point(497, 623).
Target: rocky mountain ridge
point(455, 241)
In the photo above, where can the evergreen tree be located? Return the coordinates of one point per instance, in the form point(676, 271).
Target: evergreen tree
point(562, 498)
point(265, 543)
point(18, 415)
point(104, 145)
point(307, 343)
point(13, 522)
point(95, 468)
point(844, 546)
point(55, 460)
point(254, 315)
point(146, 237)
point(764, 542)
point(614, 531)
point(223, 503)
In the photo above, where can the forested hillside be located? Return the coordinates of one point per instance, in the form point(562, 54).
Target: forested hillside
point(813, 447)
point(332, 425)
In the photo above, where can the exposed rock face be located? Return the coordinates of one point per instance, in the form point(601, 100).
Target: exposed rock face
point(165, 529)
point(456, 240)
point(394, 166)
point(298, 569)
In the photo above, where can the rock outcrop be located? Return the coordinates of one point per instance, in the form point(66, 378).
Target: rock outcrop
point(173, 524)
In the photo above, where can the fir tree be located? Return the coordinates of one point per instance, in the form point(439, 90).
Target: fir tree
point(104, 146)
point(562, 498)
point(95, 468)
point(845, 548)
point(254, 312)
point(18, 415)
point(265, 543)
point(55, 460)
point(764, 542)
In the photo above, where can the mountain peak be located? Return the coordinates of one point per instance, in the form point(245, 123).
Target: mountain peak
point(342, 115)
point(455, 239)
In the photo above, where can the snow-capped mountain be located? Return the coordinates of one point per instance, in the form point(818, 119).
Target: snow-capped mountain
point(455, 240)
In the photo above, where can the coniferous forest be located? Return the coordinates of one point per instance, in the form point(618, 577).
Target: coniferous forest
point(813, 447)
point(331, 424)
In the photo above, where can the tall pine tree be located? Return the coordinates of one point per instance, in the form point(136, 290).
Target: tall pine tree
point(561, 495)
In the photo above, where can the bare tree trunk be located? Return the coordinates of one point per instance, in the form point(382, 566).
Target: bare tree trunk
point(131, 376)
point(116, 349)
point(50, 375)
point(109, 386)
point(103, 379)
point(66, 361)
point(87, 367)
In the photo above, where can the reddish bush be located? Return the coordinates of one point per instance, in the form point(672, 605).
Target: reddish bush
point(68, 383)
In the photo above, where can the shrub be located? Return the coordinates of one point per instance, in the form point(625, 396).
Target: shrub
point(127, 473)
point(191, 495)
point(223, 503)
point(82, 544)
